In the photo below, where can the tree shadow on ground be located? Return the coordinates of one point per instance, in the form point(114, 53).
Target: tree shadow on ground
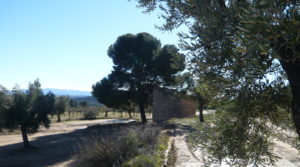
point(177, 129)
point(52, 149)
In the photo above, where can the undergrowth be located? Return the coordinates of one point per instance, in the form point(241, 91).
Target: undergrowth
point(141, 146)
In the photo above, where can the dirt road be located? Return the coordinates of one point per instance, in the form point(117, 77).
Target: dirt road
point(185, 158)
point(55, 146)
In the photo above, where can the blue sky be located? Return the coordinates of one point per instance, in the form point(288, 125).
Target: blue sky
point(64, 42)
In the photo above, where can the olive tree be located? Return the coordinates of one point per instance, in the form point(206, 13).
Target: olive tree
point(248, 50)
point(28, 110)
point(60, 106)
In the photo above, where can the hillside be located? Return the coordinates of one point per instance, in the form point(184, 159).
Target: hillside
point(77, 95)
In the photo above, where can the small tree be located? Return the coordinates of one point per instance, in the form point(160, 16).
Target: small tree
point(29, 110)
point(60, 106)
point(196, 89)
point(83, 103)
point(72, 104)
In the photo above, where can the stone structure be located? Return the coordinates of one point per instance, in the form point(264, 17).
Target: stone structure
point(166, 105)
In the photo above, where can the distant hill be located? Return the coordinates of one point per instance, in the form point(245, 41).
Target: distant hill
point(91, 101)
point(67, 92)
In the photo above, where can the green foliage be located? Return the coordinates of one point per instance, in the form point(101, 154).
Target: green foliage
point(27, 110)
point(4, 105)
point(83, 103)
point(73, 103)
point(247, 50)
point(91, 114)
point(139, 64)
point(108, 95)
point(160, 149)
point(169, 62)
point(91, 101)
point(61, 104)
point(229, 140)
point(141, 161)
point(198, 90)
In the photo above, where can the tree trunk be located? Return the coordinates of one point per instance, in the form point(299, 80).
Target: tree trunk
point(142, 111)
point(69, 115)
point(58, 118)
point(106, 113)
point(292, 69)
point(24, 136)
point(200, 107)
point(129, 113)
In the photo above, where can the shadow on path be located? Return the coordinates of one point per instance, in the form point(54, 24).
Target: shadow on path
point(51, 149)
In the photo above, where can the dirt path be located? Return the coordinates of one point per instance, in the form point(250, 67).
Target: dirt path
point(57, 128)
point(55, 146)
point(184, 157)
point(289, 156)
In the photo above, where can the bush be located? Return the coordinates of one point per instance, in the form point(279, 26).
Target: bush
point(141, 161)
point(131, 146)
point(92, 114)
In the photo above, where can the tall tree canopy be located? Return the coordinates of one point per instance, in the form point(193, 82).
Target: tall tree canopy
point(140, 63)
point(248, 49)
point(109, 95)
point(28, 110)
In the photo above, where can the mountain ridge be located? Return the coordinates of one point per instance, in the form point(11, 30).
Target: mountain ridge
point(67, 92)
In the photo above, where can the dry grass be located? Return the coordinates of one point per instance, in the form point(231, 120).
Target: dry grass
point(101, 114)
point(184, 121)
point(134, 147)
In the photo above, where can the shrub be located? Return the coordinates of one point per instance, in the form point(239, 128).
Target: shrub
point(92, 114)
point(121, 148)
point(141, 161)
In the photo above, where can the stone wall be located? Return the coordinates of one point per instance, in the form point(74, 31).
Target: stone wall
point(166, 105)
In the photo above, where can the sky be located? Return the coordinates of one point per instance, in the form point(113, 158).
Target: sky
point(64, 42)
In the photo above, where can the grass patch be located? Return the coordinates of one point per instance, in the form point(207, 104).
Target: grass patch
point(154, 158)
point(184, 121)
point(192, 121)
point(171, 156)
